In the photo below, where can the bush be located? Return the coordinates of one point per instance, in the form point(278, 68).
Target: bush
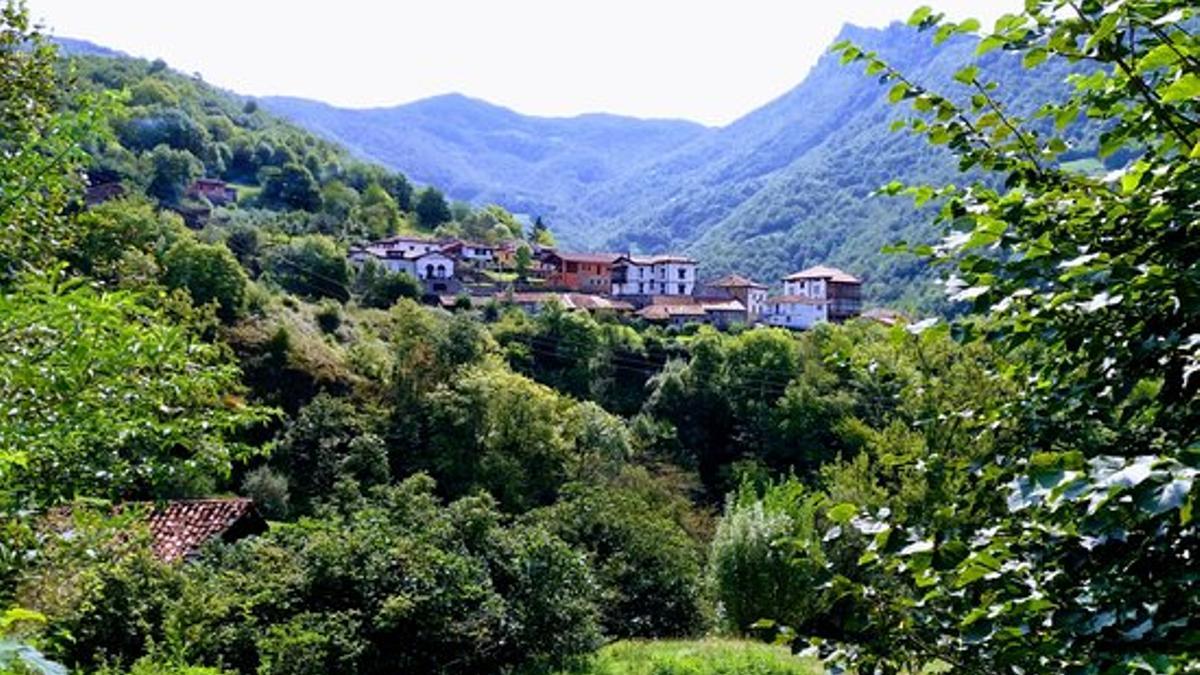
point(394, 582)
point(329, 316)
point(209, 273)
point(648, 567)
point(269, 490)
point(753, 569)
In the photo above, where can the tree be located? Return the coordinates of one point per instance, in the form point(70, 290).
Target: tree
point(41, 147)
point(108, 231)
point(432, 209)
point(291, 186)
point(209, 273)
point(1088, 285)
point(170, 173)
point(523, 262)
point(76, 352)
point(311, 266)
point(380, 288)
point(540, 234)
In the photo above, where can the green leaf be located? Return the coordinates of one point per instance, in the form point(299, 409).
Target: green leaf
point(989, 43)
point(1185, 88)
point(1160, 56)
point(897, 93)
point(1034, 57)
point(968, 26)
point(842, 513)
point(967, 75)
point(920, 15)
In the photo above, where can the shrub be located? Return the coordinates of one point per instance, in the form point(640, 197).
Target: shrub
point(648, 567)
point(269, 490)
point(329, 316)
point(753, 569)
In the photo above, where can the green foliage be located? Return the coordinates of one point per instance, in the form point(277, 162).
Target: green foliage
point(312, 266)
point(1088, 285)
point(329, 439)
point(291, 186)
point(109, 232)
point(64, 432)
point(170, 172)
point(41, 147)
point(431, 208)
point(209, 273)
point(269, 490)
point(380, 288)
point(393, 582)
point(648, 567)
point(754, 571)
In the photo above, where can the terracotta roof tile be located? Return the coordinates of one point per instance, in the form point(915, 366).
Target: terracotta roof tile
point(180, 528)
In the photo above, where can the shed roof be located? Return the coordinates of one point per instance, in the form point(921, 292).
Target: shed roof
point(179, 528)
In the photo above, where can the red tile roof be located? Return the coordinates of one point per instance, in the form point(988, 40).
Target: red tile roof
point(180, 528)
point(822, 272)
point(588, 258)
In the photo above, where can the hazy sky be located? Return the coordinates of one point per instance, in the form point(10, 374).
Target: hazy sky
point(694, 59)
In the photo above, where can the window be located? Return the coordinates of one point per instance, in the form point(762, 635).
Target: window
point(682, 288)
point(572, 268)
point(641, 288)
point(682, 273)
point(428, 271)
point(441, 271)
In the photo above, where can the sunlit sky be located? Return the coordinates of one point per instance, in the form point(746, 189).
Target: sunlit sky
point(701, 60)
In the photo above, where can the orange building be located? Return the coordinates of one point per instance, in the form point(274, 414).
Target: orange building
point(586, 272)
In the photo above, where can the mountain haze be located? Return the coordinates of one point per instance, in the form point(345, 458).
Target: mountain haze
point(786, 186)
point(483, 153)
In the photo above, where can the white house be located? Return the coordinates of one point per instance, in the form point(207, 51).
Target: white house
point(795, 311)
point(816, 294)
point(483, 255)
point(653, 275)
point(408, 244)
point(424, 265)
point(752, 294)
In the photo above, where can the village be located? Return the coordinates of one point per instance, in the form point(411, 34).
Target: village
point(665, 289)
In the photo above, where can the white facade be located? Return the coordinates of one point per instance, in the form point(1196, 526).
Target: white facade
point(756, 302)
point(409, 246)
point(478, 253)
point(660, 275)
point(810, 288)
point(423, 266)
point(803, 304)
point(795, 311)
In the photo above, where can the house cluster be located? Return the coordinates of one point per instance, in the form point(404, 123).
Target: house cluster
point(664, 289)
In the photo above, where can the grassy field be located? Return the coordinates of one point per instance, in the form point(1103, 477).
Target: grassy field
point(695, 657)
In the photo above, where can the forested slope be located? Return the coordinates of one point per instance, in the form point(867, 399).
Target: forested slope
point(782, 188)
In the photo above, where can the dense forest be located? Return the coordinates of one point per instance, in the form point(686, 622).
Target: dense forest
point(485, 490)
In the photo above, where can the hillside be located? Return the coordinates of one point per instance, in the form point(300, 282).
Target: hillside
point(484, 153)
point(784, 187)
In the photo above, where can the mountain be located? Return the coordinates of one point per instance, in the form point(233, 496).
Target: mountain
point(484, 153)
point(76, 47)
point(787, 186)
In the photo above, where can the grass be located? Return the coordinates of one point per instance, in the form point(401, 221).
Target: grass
point(246, 192)
point(695, 657)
